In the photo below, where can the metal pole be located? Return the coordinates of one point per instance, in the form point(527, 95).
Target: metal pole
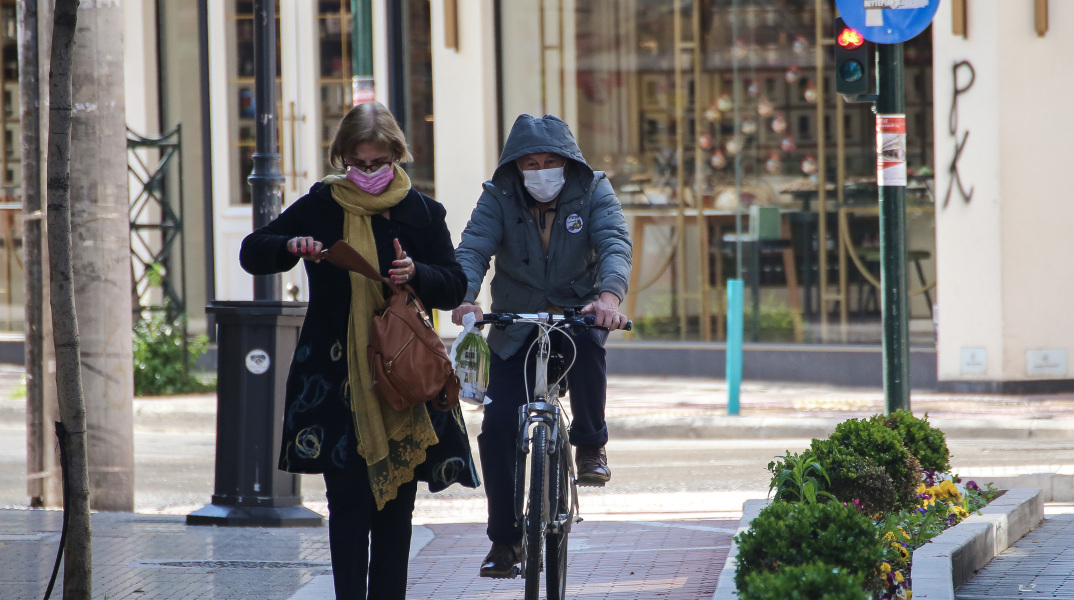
point(206, 162)
point(265, 180)
point(892, 101)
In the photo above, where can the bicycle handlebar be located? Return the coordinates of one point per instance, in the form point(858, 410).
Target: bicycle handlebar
point(571, 318)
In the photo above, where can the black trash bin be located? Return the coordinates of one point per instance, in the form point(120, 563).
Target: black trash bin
point(255, 341)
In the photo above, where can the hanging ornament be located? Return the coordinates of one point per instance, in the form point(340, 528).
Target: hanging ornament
point(779, 123)
point(809, 164)
point(723, 102)
point(718, 160)
point(704, 141)
point(733, 145)
point(712, 113)
point(787, 144)
point(753, 90)
point(774, 164)
point(749, 126)
point(793, 74)
point(764, 107)
point(800, 45)
point(810, 93)
point(739, 49)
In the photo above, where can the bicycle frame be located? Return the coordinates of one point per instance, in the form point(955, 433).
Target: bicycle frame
point(552, 507)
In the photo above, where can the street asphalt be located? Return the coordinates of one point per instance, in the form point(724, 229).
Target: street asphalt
point(668, 554)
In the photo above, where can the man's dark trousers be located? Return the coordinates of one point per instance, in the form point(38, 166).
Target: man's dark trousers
point(588, 384)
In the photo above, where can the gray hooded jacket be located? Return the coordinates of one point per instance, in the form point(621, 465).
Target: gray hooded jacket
point(589, 251)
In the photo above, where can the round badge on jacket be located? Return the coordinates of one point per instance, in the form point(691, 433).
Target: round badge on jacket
point(574, 223)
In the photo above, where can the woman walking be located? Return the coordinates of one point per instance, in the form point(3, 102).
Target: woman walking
point(371, 455)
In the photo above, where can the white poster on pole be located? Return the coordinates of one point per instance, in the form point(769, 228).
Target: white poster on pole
point(891, 150)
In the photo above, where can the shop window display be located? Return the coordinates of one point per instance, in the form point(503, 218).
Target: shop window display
point(747, 120)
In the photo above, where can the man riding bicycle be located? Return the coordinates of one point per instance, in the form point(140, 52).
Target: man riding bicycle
point(560, 239)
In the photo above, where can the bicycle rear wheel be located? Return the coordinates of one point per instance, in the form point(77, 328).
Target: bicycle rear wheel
point(560, 500)
point(536, 511)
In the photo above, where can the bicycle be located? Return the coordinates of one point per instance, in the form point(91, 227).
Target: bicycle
point(550, 509)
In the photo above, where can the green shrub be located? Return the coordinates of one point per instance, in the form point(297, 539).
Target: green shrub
point(924, 442)
point(884, 447)
point(812, 581)
point(799, 478)
point(858, 480)
point(787, 534)
point(159, 368)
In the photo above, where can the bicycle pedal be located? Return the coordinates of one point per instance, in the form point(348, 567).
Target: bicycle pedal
point(590, 483)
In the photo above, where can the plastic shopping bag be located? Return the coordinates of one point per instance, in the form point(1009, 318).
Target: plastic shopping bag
point(470, 356)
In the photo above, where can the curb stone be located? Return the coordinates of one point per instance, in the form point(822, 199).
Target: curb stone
point(949, 559)
point(725, 585)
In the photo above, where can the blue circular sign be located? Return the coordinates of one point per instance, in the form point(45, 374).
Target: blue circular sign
point(888, 21)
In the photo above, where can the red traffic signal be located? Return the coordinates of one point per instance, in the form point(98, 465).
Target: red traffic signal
point(851, 60)
point(849, 39)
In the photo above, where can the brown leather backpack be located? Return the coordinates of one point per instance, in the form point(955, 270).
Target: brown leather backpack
point(407, 359)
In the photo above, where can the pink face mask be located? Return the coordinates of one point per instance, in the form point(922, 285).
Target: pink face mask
point(372, 183)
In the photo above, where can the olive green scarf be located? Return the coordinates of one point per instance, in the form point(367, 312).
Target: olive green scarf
point(392, 442)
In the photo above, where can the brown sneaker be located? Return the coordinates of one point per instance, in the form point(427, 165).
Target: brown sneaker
point(502, 561)
point(592, 466)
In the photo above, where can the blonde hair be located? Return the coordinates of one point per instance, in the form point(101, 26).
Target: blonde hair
point(372, 123)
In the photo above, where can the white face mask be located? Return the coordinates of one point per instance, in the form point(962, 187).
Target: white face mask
point(544, 185)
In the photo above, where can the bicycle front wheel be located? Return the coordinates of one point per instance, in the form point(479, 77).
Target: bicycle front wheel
point(536, 511)
point(561, 500)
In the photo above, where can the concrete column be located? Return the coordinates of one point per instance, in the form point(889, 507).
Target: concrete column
point(1004, 297)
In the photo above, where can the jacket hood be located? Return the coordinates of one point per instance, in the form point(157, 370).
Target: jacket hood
point(532, 134)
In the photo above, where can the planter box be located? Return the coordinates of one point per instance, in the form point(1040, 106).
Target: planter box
point(949, 559)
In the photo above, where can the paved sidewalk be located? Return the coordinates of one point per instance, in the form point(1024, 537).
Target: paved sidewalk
point(151, 557)
point(617, 557)
point(1040, 565)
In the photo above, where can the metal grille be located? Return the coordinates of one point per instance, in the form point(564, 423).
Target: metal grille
point(156, 223)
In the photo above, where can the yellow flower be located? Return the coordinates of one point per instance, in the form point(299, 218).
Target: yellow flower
point(889, 536)
point(904, 534)
point(947, 488)
point(885, 568)
point(921, 488)
point(909, 594)
point(898, 577)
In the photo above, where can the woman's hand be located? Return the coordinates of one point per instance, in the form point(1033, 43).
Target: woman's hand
point(463, 309)
point(305, 247)
point(404, 270)
point(605, 311)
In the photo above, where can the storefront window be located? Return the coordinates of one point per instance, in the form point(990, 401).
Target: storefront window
point(417, 123)
point(11, 272)
point(242, 109)
point(700, 112)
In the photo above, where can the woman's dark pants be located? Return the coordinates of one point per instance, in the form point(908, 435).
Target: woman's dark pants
point(588, 384)
point(370, 548)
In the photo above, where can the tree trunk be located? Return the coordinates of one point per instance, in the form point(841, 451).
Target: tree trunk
point(100, 230)
point(77, 571)
point(42, 458)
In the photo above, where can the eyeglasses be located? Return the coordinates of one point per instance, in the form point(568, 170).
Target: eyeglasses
point(370, 166)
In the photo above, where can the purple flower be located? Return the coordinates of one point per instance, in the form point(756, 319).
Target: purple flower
point(972, 485)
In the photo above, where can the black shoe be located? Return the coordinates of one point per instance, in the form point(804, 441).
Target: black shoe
point(502, 561)
point(592, 465)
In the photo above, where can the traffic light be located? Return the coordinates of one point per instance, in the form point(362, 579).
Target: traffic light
point(851, 61)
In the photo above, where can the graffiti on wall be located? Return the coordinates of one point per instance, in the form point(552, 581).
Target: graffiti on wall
point(954, 178)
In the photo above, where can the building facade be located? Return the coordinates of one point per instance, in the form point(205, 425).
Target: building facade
point(701, 112)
